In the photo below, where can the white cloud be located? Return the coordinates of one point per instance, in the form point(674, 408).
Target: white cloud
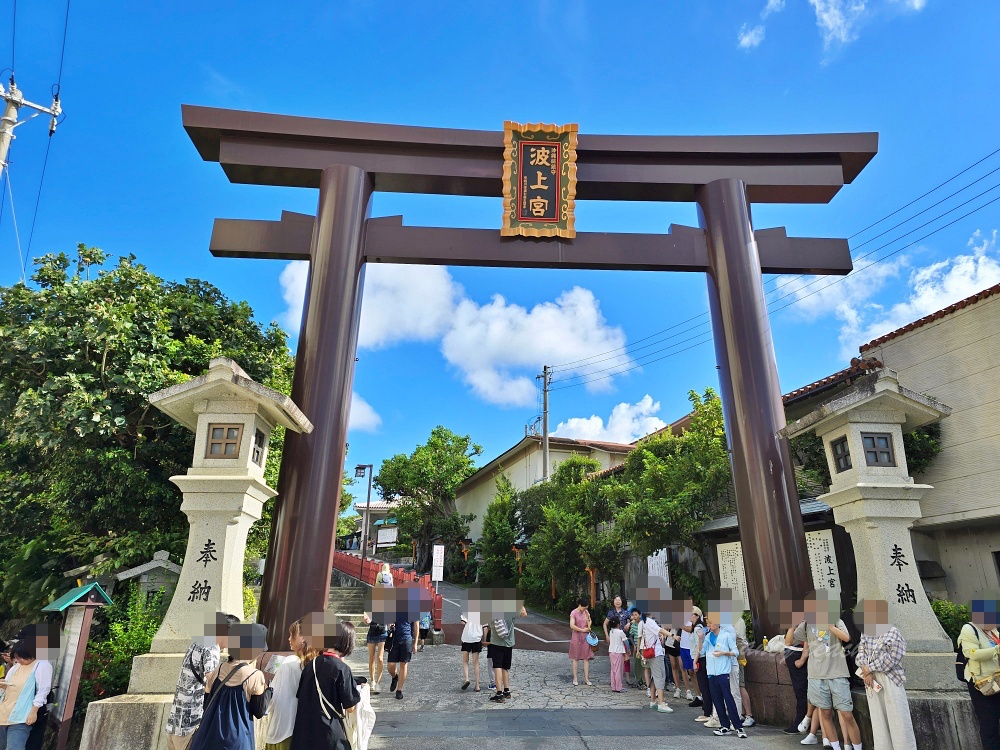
point(935, 287)
point(490, 343)
point(405, 303)
point(838, 19)
point(498, 347)
point(773, 6)
point(627, 423)
point(363, 416)
point(750, 38)
point(912, 4)
point(929, 288)
point(293, 290)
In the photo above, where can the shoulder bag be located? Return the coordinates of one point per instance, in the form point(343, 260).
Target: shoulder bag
point(648, 652)
point(348, 719)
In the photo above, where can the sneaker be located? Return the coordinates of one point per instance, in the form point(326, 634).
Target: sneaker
point(810, 740)
point(498, 698)
point(749, 721)
point(723, 732)
point(827, 743)
point(804, 725)
point(689, 696)
point(399, 695)
point(374, 687)
point(652, 704)
point(695, 703)
point(492, 685)
point(663, 708)
point(793, 729)
point(702, 717)
point(713, 723)
point(392, 685)
point(741, 734)
point(677, 694)
point(506, 693)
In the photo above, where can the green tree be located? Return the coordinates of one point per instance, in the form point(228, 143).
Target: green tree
point(499, 535)
point(425, 484)
point(85, 460)
point(676, 483)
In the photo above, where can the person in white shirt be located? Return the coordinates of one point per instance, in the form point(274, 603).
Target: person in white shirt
point(473, 639)
point(285, 686)
point(616, 652)
point(651, 632)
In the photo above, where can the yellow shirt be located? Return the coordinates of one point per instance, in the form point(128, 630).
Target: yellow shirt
point(979, 650)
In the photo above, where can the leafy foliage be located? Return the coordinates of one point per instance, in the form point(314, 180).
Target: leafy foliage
point(921, 446)
point(85, 461)
point(499, 534)
point(675, 483)
point(129, 626)
point(425, 483)
point(951, 616)
point(808, 448)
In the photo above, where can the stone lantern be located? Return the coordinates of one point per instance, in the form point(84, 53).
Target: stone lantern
point(876, 501)
point(232, 417)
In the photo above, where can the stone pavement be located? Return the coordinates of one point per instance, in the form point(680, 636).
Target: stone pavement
point(545, 707)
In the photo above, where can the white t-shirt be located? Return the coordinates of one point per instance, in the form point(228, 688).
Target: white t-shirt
point(685, 639)
point(651, 636)
point(473, 632)
point(284, 703)
point(616, 638)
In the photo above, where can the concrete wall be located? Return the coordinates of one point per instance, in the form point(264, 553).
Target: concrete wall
point(957, 361)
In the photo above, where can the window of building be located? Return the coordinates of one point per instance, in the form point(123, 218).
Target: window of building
point(224, 440)
point(878, 448)
point(841, 454)
point(259, 441)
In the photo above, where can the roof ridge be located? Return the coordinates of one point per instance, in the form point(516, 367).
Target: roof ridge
point(954, 307)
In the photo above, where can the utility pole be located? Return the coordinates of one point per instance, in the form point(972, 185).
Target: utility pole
point(546, 379)
point(359, 471)
point(13, 101)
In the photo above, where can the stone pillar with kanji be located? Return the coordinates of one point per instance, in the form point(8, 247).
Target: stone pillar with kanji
point(876, 501)
point(224, 492)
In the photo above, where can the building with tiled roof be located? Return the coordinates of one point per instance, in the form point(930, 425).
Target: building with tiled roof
point(522, 463)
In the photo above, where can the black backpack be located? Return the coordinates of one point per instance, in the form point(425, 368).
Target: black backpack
point(961, 659)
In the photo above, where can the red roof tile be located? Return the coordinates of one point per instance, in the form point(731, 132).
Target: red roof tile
point(932, 317)
point(858, 368)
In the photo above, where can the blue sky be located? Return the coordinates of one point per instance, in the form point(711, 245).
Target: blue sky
point(461, 347)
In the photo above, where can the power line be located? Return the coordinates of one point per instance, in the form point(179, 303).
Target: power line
point(38, 196)
point(626, 349)
point(62, 53)
point(17, 235)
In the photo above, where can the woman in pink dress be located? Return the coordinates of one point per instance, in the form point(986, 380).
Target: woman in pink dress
point(579, 649)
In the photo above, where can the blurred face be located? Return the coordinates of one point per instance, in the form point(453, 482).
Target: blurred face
point(22, 660)
point(876, 613)
point(984, 613)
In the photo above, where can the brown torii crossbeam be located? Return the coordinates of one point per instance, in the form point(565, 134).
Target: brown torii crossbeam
point(348, 161)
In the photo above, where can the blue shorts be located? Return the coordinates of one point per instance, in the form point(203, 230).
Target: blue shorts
point(686, 661)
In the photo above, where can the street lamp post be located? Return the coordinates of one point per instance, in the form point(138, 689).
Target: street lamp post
point(359, 472)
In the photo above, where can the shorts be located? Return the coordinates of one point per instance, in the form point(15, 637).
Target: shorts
point(473, 648)
point(686, 661)
point(424, 632)
point(400, 652)
point(833, 693)
point(672, 650)
point(743, 676)
point(501, 655)
point(376, 634)
point(657, 673)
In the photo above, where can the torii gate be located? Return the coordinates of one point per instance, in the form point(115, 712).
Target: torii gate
point(348, 161)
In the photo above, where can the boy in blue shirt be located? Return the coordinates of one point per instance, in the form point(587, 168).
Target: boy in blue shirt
point(719, 654)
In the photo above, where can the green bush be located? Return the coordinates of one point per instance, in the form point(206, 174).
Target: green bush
point(249, 604)
point(131, 622)
point(951, 616)
point(748, 621)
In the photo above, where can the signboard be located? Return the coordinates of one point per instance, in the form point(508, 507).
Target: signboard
point(822, 560)
point(539, 180)
point(657, 567)
point(437, 563)
point(731, 572)
point(387, 536)
point(69, 639)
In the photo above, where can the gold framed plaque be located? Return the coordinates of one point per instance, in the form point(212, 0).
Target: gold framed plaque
point(539, 180)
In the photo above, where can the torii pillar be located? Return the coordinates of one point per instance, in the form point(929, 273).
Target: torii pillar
point(347, 161)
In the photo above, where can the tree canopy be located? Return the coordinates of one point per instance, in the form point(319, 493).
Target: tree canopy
point(85, 460)
point(425, 484)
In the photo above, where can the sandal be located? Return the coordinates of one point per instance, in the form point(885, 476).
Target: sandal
point(589, 683)
point(465, 685)
point(575, 683)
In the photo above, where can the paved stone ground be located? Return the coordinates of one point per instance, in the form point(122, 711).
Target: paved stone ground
point(545, 707)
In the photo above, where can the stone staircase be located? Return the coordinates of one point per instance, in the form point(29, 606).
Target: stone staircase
point(349, 603)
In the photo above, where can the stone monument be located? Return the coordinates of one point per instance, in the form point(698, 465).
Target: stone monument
point(876, 501)
point(224, 491)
